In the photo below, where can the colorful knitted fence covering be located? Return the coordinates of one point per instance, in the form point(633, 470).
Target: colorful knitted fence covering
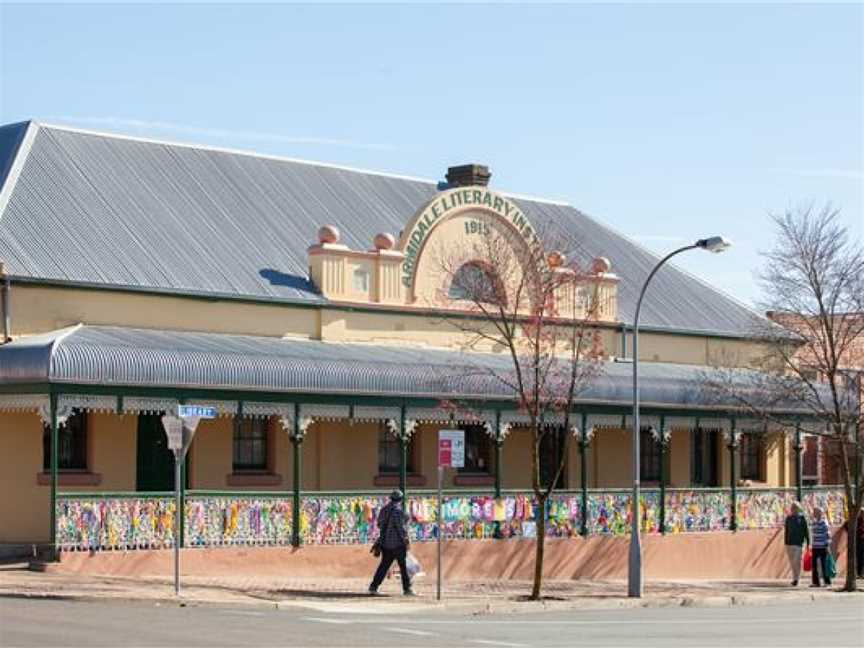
point(92, 522)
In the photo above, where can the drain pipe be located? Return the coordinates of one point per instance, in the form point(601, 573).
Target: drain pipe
point(4, 298)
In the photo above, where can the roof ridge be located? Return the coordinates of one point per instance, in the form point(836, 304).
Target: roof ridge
point(270, 156)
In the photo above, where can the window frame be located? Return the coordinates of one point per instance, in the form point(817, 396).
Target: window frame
point(250, 430)
point(75, 430)
point(472, 433)
point(649, 454)
point(390, 443)
point(750, 455)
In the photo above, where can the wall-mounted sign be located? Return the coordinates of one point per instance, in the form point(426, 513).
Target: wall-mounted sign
point(451, 448)
point(449, 201)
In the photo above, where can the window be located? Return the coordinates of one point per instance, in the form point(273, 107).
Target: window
point(704, 466)
point(389, 452)
point(476, 283)
point(751, 456)
point(649, 456)
point(810, 461)
point(478, 450)
point(71, 444)
point(250, 444)
point(361, 280)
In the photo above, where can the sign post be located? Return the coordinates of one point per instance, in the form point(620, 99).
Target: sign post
point(451, 452)
point(180, 430)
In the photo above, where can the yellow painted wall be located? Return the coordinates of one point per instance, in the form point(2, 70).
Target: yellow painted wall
point(349, 455)
point(24, 507)
point(612, 458)
point(111, 449)
point(211, 454)
point(516, 459)
point(38, 309)
point(679, 458)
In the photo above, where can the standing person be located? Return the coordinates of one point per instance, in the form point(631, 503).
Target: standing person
point(820, 539)
point(795, 535)
point(393, 543)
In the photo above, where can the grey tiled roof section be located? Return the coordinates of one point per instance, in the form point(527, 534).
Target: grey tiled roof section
point(127, 357)
point(97, 209)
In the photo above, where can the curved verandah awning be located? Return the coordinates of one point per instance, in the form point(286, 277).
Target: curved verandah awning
point(108, 362)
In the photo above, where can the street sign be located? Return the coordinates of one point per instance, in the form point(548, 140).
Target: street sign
point(180, 430)
point(196, 411)
point(174, 431)
point(451, 448)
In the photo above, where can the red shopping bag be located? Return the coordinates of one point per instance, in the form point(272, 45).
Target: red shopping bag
point(808, 560)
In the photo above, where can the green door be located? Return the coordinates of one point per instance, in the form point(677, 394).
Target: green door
point(155, 460)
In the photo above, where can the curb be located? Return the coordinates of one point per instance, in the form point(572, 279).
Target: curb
point(95, 598)
point(471, 608)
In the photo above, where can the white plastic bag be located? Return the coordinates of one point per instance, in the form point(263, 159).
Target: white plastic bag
point(414, 567)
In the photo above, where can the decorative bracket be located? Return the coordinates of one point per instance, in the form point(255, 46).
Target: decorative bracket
point(63, 414)
point(287, 423)
point(585, 438)
point(502, 432)
point(661, 435)
point(403, 435)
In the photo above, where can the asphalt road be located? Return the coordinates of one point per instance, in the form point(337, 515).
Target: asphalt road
point(64, 623)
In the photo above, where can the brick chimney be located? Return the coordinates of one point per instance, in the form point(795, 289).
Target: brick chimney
point(468, 175)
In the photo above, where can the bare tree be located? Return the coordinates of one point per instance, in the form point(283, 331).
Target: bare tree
point(540, 311)
point(813, 280)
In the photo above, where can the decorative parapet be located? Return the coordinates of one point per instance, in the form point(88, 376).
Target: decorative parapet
point(416, 272)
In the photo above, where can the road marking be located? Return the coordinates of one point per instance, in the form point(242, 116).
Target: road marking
point(325, 620)
point(245, 613)
point(568, 622)
point(419, 633)
point(491, 642)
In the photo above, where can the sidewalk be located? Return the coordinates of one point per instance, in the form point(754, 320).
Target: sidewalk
point(348, 594)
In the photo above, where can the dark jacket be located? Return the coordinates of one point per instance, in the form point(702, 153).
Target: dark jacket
point(391, 527)
point(797, 532)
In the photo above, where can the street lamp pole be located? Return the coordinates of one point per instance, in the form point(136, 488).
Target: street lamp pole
point(634, 572)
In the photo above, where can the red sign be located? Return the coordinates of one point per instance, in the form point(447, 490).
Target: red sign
point(445, 450)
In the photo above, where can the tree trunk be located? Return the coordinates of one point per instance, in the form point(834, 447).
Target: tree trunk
point(851, 547)
point(539, 545)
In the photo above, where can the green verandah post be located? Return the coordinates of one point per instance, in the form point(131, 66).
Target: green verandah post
point(583, 473)
point(798, 467)
point(403, 455)
point(664, 440)
point(499, 442)
point(55, 445)
point(733, 501)
point(296, 443)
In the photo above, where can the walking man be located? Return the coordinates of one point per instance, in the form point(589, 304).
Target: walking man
point(795, 535)
point(392, 543)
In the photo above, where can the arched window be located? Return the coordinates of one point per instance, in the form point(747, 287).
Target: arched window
point(476, 282)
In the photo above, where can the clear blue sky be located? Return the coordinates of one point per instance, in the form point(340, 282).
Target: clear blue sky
point(668, 122)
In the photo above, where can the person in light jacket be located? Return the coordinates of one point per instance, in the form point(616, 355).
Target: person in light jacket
point(820, 540)
point(795, 535)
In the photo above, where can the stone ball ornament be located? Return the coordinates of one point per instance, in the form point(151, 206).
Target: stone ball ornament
point(384, 241)
point(328, 234)
point(556, 259)
point(601, 265)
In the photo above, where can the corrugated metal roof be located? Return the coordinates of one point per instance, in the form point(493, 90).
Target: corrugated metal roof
point(116, 211)
point(115, 356)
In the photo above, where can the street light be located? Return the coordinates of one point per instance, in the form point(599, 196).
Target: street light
point(714, 244)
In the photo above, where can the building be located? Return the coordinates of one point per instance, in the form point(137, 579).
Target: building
point(821, 457)
point(142, 274)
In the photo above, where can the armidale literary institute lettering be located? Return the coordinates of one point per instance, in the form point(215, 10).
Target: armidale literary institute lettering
point(455, 199)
